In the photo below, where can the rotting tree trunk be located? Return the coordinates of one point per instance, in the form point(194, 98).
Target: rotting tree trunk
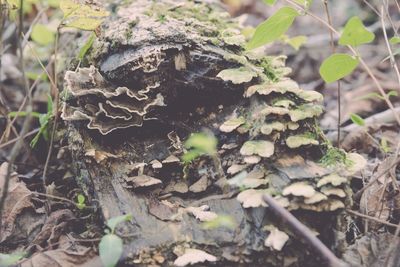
point(161, 70)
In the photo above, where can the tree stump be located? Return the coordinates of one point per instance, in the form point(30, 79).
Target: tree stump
point(159, 71)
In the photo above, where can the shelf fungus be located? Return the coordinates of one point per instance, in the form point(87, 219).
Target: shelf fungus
point(159, 71)
point(106, 107)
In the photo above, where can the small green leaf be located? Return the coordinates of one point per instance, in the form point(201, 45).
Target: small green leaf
point(42, 35)
point(395, 40)
point(191, 155)
point(86, 46)
point(384, 145)
point(110, 249)
point(203, 142)
point(81, 16)
point(270, 2)
point(49, 105)
point(337, 66)
point(297, 41)
point(35, 76)
point(271, 29)
point(113, 222)
point(81, 198)
point(357, 119)
point(355, 33)
point(199, 144)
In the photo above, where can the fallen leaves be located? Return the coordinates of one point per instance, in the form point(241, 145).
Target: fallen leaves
point(18, 199)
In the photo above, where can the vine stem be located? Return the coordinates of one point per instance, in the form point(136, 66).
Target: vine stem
point(361, 60)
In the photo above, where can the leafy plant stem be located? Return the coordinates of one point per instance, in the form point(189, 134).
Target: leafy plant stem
point(363, 63)
point(332, 43)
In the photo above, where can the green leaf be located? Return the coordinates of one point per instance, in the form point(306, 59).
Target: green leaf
point(86, 46)
point(355, 33)
point(203, 142)
point(357, 119)
point(34, 76)
point(113, 222)
point(191, 155)
point(110, 249)
point(270, 2)
point(80, 202)
point(9, 259)
point(394, 40)
point(81, 198)
point(296, 41)
point(337, 66)
point(271, 29)
point(384, 145)
point(49, 105)
point(80, 16)
point(42, 35)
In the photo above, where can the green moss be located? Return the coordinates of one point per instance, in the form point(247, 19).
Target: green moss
point(269, 71)
point(335, 156)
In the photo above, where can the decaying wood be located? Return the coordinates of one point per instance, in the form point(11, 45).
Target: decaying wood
point(161, 70)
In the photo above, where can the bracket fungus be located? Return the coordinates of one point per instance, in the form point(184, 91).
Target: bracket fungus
point(166, 69)
point(106, 107)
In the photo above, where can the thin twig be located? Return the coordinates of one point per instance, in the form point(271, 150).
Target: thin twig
point(359, 193)
point(391, 56)
point(62, 199)
point(17, 138)
point(303, 231)
point(365, 216)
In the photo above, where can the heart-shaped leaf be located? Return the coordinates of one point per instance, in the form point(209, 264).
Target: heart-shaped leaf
point(337, 66)
point(355, 33)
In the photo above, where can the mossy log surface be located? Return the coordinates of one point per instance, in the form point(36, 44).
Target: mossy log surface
point(161, 70)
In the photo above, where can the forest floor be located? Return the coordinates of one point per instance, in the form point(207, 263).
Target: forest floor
point(28, 226)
